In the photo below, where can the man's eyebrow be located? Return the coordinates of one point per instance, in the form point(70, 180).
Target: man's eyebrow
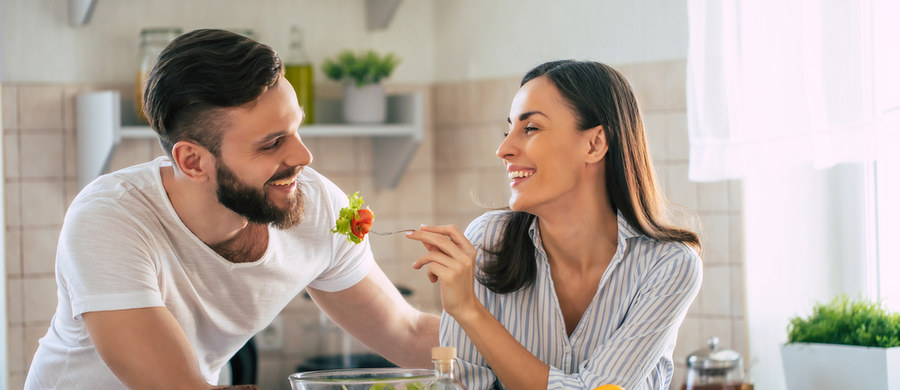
point(523, 116)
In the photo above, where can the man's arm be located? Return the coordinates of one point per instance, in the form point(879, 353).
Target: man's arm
point(376, 314)
point(145, 348)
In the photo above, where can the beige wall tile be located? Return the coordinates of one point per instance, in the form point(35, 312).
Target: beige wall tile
point(715, 236)
point(736, 195)
point(676, 85)
point(362, 152)
point(39, 250)
point(736, 239)
point(493, 188)
point(16, 381)
point(454, 193)
point(678, 142)
point(678, 377)
point(13, 204)
point(72, 190)
point(417, 193)
point(446, 106)
point(738, 292)
point(10, 102)
point(33, 335)
point(15, 352)
point(483, 141)
point(42, 154)
point(657, 133)
point(739, 335)
point(70, 151)
point(493, 98)
point(713, 196)
point(690, 338)
point(647, 81)
point(423, 159)
point(43, 203)
point(40, 298)
point(716, 290)
point(41, 107)
point(14, 252)
point(130, 152)
point(467, 103)
point(11, 154)
point(335, 155)
point(15, 297)
point(678, 188)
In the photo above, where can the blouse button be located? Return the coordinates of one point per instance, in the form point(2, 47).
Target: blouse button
point(567, 349)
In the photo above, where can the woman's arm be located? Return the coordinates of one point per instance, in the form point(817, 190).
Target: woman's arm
point(451, 262)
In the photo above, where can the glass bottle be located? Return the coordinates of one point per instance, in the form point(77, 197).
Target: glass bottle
point(298, 70)
point(444, 359)
point(153, 41)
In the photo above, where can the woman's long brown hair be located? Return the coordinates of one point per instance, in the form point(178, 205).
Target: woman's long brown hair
point(598, 95)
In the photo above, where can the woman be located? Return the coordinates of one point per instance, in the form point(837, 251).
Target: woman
point(583, 282)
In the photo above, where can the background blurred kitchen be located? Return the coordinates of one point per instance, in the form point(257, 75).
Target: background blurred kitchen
point(773, 242)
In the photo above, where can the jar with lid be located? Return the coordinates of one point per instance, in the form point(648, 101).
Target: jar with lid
point(712, 368)
point(153, 41)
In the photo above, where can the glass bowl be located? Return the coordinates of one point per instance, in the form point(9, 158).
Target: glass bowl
point(363, 379)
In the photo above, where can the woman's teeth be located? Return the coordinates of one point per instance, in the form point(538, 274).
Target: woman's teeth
point(283, 182)
point(519, 174)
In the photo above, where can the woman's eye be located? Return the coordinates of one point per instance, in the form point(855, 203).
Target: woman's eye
point(530, 129)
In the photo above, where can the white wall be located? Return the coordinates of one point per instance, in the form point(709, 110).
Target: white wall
point(803, 246)
point(438, 40)
point(499, 38)
point(42, 46)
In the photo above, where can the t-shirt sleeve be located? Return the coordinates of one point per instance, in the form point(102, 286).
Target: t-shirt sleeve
point(350, 262)
point(104, 261)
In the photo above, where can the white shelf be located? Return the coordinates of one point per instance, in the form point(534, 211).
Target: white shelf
point(99, 130)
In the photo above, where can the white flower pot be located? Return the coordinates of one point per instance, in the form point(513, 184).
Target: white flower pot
point(366, 104)
point(811, 366)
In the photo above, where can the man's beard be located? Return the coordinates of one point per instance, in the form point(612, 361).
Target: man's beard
point(253, 204)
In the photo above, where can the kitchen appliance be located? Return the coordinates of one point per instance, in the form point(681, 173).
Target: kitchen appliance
point(712, 368)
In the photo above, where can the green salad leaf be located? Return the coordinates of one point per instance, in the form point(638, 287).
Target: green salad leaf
point(347, 214)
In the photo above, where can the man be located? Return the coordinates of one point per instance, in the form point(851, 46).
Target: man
point(167, 268)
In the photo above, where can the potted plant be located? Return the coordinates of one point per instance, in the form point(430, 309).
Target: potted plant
point(361, 73)
point(844, 344)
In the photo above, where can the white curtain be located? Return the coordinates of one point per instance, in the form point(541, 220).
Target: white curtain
point(778, 83)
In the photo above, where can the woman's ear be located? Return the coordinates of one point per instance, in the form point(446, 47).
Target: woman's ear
point(598, 144)
point(193, 161)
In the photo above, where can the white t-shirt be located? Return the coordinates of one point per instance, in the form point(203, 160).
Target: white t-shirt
point(123, 246)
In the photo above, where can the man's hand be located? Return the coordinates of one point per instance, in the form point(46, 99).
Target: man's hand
point(145, 348)
point(376, 314)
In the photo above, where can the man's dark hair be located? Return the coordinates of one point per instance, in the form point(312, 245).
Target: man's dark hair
point(199, 74)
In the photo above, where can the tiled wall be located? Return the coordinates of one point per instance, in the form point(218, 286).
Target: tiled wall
point(470, 119)
point(453, 176)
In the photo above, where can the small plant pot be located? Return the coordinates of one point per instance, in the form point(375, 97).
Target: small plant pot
point(366, 104)
point(812, 366)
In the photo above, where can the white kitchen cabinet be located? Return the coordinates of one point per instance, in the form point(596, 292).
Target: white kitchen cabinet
point(99, 130)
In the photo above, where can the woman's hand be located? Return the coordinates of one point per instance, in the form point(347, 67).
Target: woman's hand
point(451, 262)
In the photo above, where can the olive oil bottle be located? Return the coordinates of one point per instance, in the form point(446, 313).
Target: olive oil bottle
point(444, 359)
point(298, 70)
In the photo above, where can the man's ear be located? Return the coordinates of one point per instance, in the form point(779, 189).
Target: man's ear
point(599, 147)
point(193, 161)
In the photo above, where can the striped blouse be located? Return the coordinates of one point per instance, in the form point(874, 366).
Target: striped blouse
point(625, 337)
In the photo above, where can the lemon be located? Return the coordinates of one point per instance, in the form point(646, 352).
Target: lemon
point(609, 387)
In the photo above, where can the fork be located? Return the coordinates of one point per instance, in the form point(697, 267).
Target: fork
point(392, 232)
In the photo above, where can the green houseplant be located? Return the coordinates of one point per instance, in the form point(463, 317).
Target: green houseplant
point(843, 344)
point(362, 74)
